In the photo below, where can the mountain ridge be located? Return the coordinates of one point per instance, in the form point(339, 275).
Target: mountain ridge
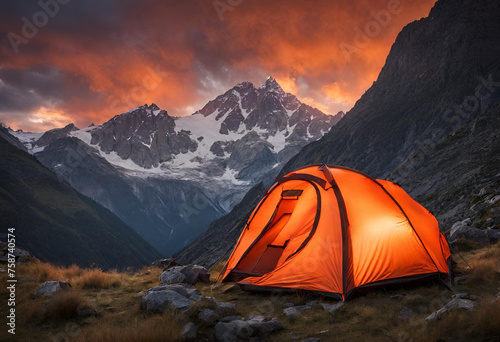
point(169, 177)
point(58, 224)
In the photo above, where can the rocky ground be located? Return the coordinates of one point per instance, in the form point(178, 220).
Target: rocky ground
point(171, 302)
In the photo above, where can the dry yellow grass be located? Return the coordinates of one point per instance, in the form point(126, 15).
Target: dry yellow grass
point(96, 279)
point(150, 329)
point(64, 305)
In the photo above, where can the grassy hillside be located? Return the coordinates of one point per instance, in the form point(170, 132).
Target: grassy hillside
point(58, 224)
point(375, 315)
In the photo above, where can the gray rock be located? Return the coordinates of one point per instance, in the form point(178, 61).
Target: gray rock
point(49, 288)
point(2, 270)
point(226, 306)
point(183, 289)
point(173, 275)
point(331, 307)
point(462, 229)
point(189, 331)
point(457, 303)
point(160, 300)
point(311, 339)
point(294, 310)
point(288, 305)
point(189, 274)
point(253, 328)
point(229, 319)
point(208, 316)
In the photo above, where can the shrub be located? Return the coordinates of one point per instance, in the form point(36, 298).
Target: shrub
point(96, 279)
point(64, 305)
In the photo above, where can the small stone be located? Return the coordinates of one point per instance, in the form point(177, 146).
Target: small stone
point(457, 303)
point(463, 295)
point(189, 331)
point(49, 288)
point(331, 307)
point(208, 316)
point(311, 339)
point(288, 305)
point(292, 311)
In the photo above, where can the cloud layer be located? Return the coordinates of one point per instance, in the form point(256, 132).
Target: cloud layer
point(85, 61)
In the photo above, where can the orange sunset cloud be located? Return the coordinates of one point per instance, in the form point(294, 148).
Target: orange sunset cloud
point(94, 60)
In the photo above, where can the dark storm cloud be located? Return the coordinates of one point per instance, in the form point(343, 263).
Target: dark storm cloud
point(94, 57)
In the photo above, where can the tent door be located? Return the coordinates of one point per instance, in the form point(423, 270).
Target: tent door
point(268, 260)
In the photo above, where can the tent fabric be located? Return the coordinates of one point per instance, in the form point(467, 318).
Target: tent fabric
point(332, 229)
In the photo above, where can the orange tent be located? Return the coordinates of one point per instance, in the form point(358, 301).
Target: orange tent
point(332, 229)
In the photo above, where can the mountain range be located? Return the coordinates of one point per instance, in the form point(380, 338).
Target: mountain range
point(169, 177)
point(429, 122)
point(57, 223)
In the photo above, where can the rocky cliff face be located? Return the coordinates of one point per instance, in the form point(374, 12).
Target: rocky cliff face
point(170, 177)
point(422, 123)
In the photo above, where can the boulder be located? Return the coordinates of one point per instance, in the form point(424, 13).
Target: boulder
point(253, 328)
point(457, 303)
point(189, 274)
point(184, 289)
point(159, 300)
point(189, 331)
point(49, 288)
point(462, 229)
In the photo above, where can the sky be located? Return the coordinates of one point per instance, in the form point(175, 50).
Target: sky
point(84, 62)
